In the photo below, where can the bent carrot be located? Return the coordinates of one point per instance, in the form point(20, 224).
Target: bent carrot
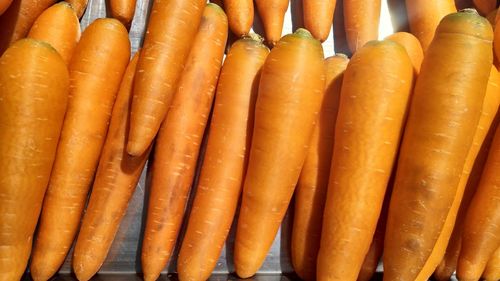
point(272, 14)
point(58, 26)
point(318, 17)
point(171, 29)
point(424, 17)
point(4, 5)
point(492, 270)
point(438, 134)
point(33, 96)
point(349, 225)
point(239, 15)
point(471, 175)
point(95, 70)
point(361, 19)
point(115, 181)
point(225, 161)
point(485, 6)
point(179, 142)
point(412, 46)
point(17, 20)
point(290, 97)
point(123, 10)
point(313, 181)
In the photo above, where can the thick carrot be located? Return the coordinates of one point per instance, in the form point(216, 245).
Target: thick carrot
point(171, 29)
point(361, 19)
point(240, 15)
point(492, 270)
point(485, 6)
point(313, 181)
point(95, 70)
point(4, 5)
point(438, 136)
point(16, 21)
point(318, 17)
point(424, 17)
point(58, 26)
point(179, 142)
point(349, 224)
point(290, 97)
point(481, 233)
point(412, 46)
point(471, 176)
point(225, 161)
point(272, 13)
point(123, 10)
point(33, 96)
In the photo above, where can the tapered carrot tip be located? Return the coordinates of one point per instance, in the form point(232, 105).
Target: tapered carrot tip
point(150, 277)
point(84, 267)
point(41, 272)
point(135, 148)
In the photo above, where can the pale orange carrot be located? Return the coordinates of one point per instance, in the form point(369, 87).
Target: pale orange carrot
point(361, 19)
point(412, 46)
point(240, 15)
point(272, 14)
point(318, 17)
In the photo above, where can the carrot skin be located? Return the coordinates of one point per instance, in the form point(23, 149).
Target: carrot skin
point(4, 5)
point(240, 15)
point(361, 19)
point(179, 142)
point(485, 6)
point(95, 70)
point(33, 96)
point(318, 17)
point(313, 181)
point(412, 46)
point(58, 26)
point(171, 29)
point(431, 143)
point(272, 14)
point(123, 10)
point(492, 270)
point(79, 6)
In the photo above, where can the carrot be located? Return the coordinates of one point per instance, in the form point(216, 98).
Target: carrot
point(492, 17)
point(424, 17)
point(179, 142)
point(123, 10)
point(240, 15)
point(290, 96)
point(348, 224)
point(171, 29)
point(471, 175)
point(485, 6)
point(272, 13)
point(492, 270)
point(225, 161)
point(318, 17)
point(33, 96)
point(16, 21)
point(79, 6)
point(4, 4)
point(58, 26)
point(496, 41)
point(95, 70)
point(438, 134)
point(412, 46)
point(361, 18)
point(313, 181)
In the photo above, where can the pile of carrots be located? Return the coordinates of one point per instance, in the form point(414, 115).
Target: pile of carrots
point(391, 155)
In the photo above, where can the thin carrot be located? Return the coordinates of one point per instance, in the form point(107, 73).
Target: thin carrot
point(318, 17)
point(412, 46)
point(179, 142)
point(313, 181)
point(95, 70)
point(349, 224)
point(17, 20)
point(438, 134)
point(481, 234)
point(33, 96)
point(58, 26)
point(123, 10)
point(485, 6)
point(361, 19)
point(171, 29)
point(4, 5)
point(272, 13)
point(225, 161)
point(240, 15)
point(492, 270)
point(290, 96)
point(424, 17)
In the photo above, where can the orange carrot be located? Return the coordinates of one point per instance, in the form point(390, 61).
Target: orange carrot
point(361, 19)
point(349, 224)
point(179, 142)
point(16, 21)
point(225, 161)
point(272, 13)
point(123, 10)
point(485, 6)
point(412, 46)
point(4, 4)
point(318, 17)
point(79, 6)
point(290, 97)
point(492, 271)
point(438, 134)
point(424, 16)
point(171, 29)
point(95, 70)
point(313, 181)
point(33, 96)
point(58, 26)
point(240, 15)
point(481, 233)
point(496, 41)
